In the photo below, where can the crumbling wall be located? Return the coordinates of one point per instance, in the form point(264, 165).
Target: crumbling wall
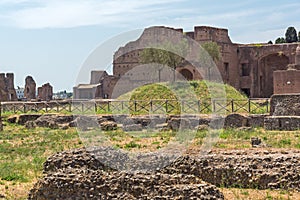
point(45, 92)
point(30, 88)
point(7, 88)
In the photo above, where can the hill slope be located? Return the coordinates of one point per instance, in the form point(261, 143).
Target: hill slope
point(183, 90)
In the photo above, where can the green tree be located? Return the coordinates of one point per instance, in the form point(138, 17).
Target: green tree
point(291, 35)
point(299, 36)
point(168, 53)
point(280, 40)
point(213, 50)
point(270, 42)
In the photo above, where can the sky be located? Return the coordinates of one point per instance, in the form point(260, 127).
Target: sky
point(50, 40)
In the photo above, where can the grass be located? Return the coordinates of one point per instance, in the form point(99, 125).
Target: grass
point(23, 152)
point(190, 92)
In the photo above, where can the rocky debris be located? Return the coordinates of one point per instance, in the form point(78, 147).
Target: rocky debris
point(257, 169)
point(30, 124)
point(84, 123)
point(174, 122)
point(133, 127)
point(255, 142)
point(12, 119)
point(82, 172)
point(235, 121)
point(84, 177)
point(202, 127)
point(108, 125)
point(23, 118)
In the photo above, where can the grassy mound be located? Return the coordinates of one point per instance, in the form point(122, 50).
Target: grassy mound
point(183, 90)
point(183, 97)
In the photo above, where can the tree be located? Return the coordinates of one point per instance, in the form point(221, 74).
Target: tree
point(280, 40)
point(299, 36)
point(291, 35)
point(213, 50)
point(270, 42)
point(168, 53)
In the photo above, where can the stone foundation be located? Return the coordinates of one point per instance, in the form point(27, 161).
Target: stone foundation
point(285, 105)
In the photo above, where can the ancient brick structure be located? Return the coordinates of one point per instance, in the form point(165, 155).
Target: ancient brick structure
point(45, 92)
point(30, 88)
point(288, 81)
point(7, 89)
point(247, 67)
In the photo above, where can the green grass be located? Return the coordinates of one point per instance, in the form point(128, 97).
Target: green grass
point(23, 151)
point(190, 92)
point(182, 90)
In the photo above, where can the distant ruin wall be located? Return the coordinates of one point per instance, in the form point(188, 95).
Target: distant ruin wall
point(45, 92)
point(30, 88)
point(7, 88)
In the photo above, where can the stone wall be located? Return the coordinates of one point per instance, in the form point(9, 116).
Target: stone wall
point(7, 89)
point(85, 177)
point(45, 92)
point(30, 88)
point(285, 105)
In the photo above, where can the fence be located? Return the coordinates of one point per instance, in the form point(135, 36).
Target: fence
point(159, 106)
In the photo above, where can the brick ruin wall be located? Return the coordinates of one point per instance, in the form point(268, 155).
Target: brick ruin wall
point(248, 68)
point(7, 88)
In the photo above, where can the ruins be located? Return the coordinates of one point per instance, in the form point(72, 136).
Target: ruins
point(30, 88)
point(45, 92)
point(247, 67)
point(288, 81)
point(7, 89)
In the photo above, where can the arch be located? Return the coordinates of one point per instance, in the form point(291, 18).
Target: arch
point(187, 74)
point(267, 65)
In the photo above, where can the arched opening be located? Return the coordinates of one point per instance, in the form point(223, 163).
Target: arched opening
point(187, 74)
point(267, 66)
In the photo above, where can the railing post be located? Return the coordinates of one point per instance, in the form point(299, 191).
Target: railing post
point(268, 101)
point(135, 105)
point(24, 108)
point(249, 106)
point(96, 107)
point(151, 105)
point(232, 105)
point(214, 105)
point(166, 106)
point(70, 106)
point(82, 107)
point(108, 106)
point(198, 105)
